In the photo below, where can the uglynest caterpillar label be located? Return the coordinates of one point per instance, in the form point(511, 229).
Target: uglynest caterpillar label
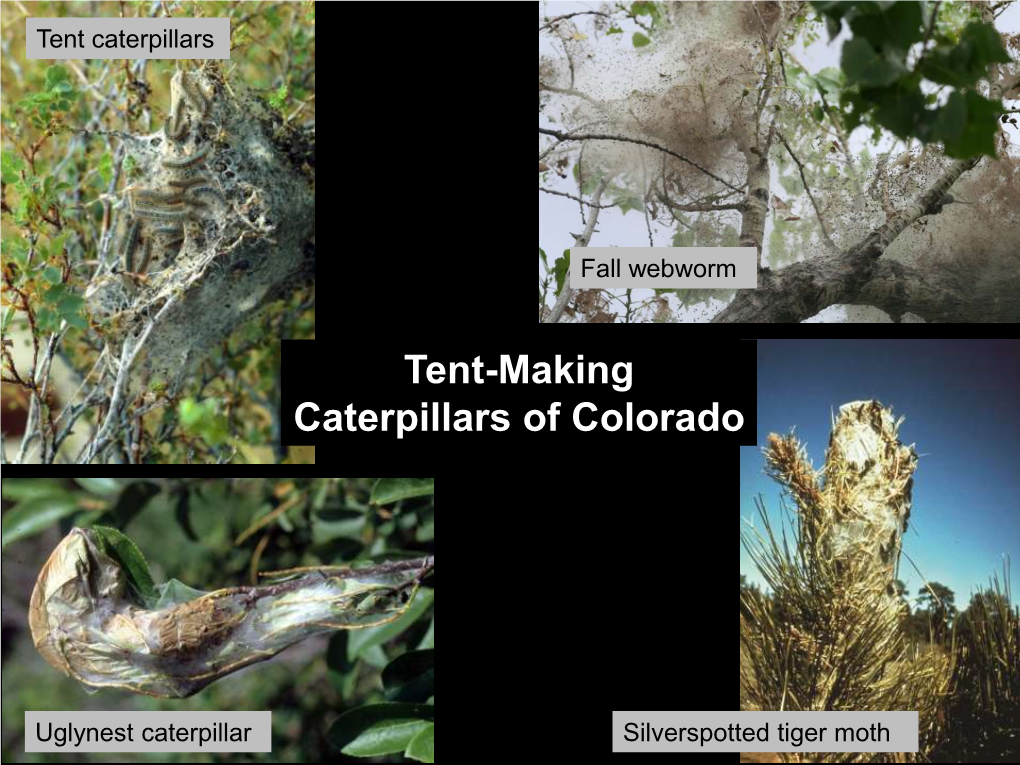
point(91, 620)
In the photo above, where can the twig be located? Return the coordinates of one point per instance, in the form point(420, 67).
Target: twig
point(558, 19)
point(581, 241)
point(640, 142)
point(800, 167)
point(576, 199)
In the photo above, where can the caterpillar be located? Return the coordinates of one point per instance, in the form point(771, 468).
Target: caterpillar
point(146, 256)
point(128, 250)
point(184, 183)
point(208, 190)
point(194, 95)
point(156, 197)
point(174, 229)
point(179, 164)
point(173, 125)
point(165, 214)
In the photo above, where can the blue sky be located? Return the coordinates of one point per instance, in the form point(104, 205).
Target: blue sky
point(962, 404)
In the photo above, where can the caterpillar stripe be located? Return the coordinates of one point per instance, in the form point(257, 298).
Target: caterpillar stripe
point(158, 197)
point(184, 183)
point(166, 214)
point(179, 164)
point(174, 229)
point(127, 262)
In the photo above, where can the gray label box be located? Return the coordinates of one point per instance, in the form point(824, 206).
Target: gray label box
point(688, 731)
point(148, 731)
point(663, 267)
point(127, 38)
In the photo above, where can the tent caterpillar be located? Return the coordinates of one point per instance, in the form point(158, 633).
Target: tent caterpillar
point(165, 214)
point(146, 256)
point(208, 190)
point(173, 126)
point(195, 96)
point(184, 183)
point(156, 197)
point(179, 164)
point(128, 248)
point(175, 229)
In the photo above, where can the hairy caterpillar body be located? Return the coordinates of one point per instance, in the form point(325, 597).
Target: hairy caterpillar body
point(164, 213)
point(194, 95)
point(184, 183)
point(156, 197)
point(207, 190)
point(173, 125)
point(186, 162)
point(128, 248)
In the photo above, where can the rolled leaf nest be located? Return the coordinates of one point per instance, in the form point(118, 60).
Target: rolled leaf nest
point(89, 621)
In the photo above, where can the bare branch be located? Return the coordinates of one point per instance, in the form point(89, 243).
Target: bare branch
point(576, 199)
point(599, 137)
point(801, 290)
point(558, 19)
point(581, 241)
point(807, 188)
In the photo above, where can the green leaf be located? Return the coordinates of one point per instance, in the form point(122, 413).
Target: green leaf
point(131, 559)
point(55, 294)
point(640, 40)
point(817, 113)
point(76, 320)
point(863, 64)
point(16, 248)
point(378, 729)
point(423, 746)
point(830, 80)
point(105, 168)
point(967, 125)
point(332, 524)
point(614, 31)
point(361, 640)
point(899, 25)
point(55, 75)
point(411, 677)
point(32, 516)
point(173, 593)
point(203, 419)
point(70, 304)
point(134, 497)
point(16, 489)
point(541, 256)
point(389, 490)
point(900, 108)
point(10, 166)
point(99, 486)
point(967, 62)
point(560, 270)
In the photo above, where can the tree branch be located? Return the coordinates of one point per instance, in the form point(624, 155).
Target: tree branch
point(581, 241)
point(640, 142)
point(939, 295)
point(576, 199)
point(807, 188)
point(801, 290)
point(558, 19)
